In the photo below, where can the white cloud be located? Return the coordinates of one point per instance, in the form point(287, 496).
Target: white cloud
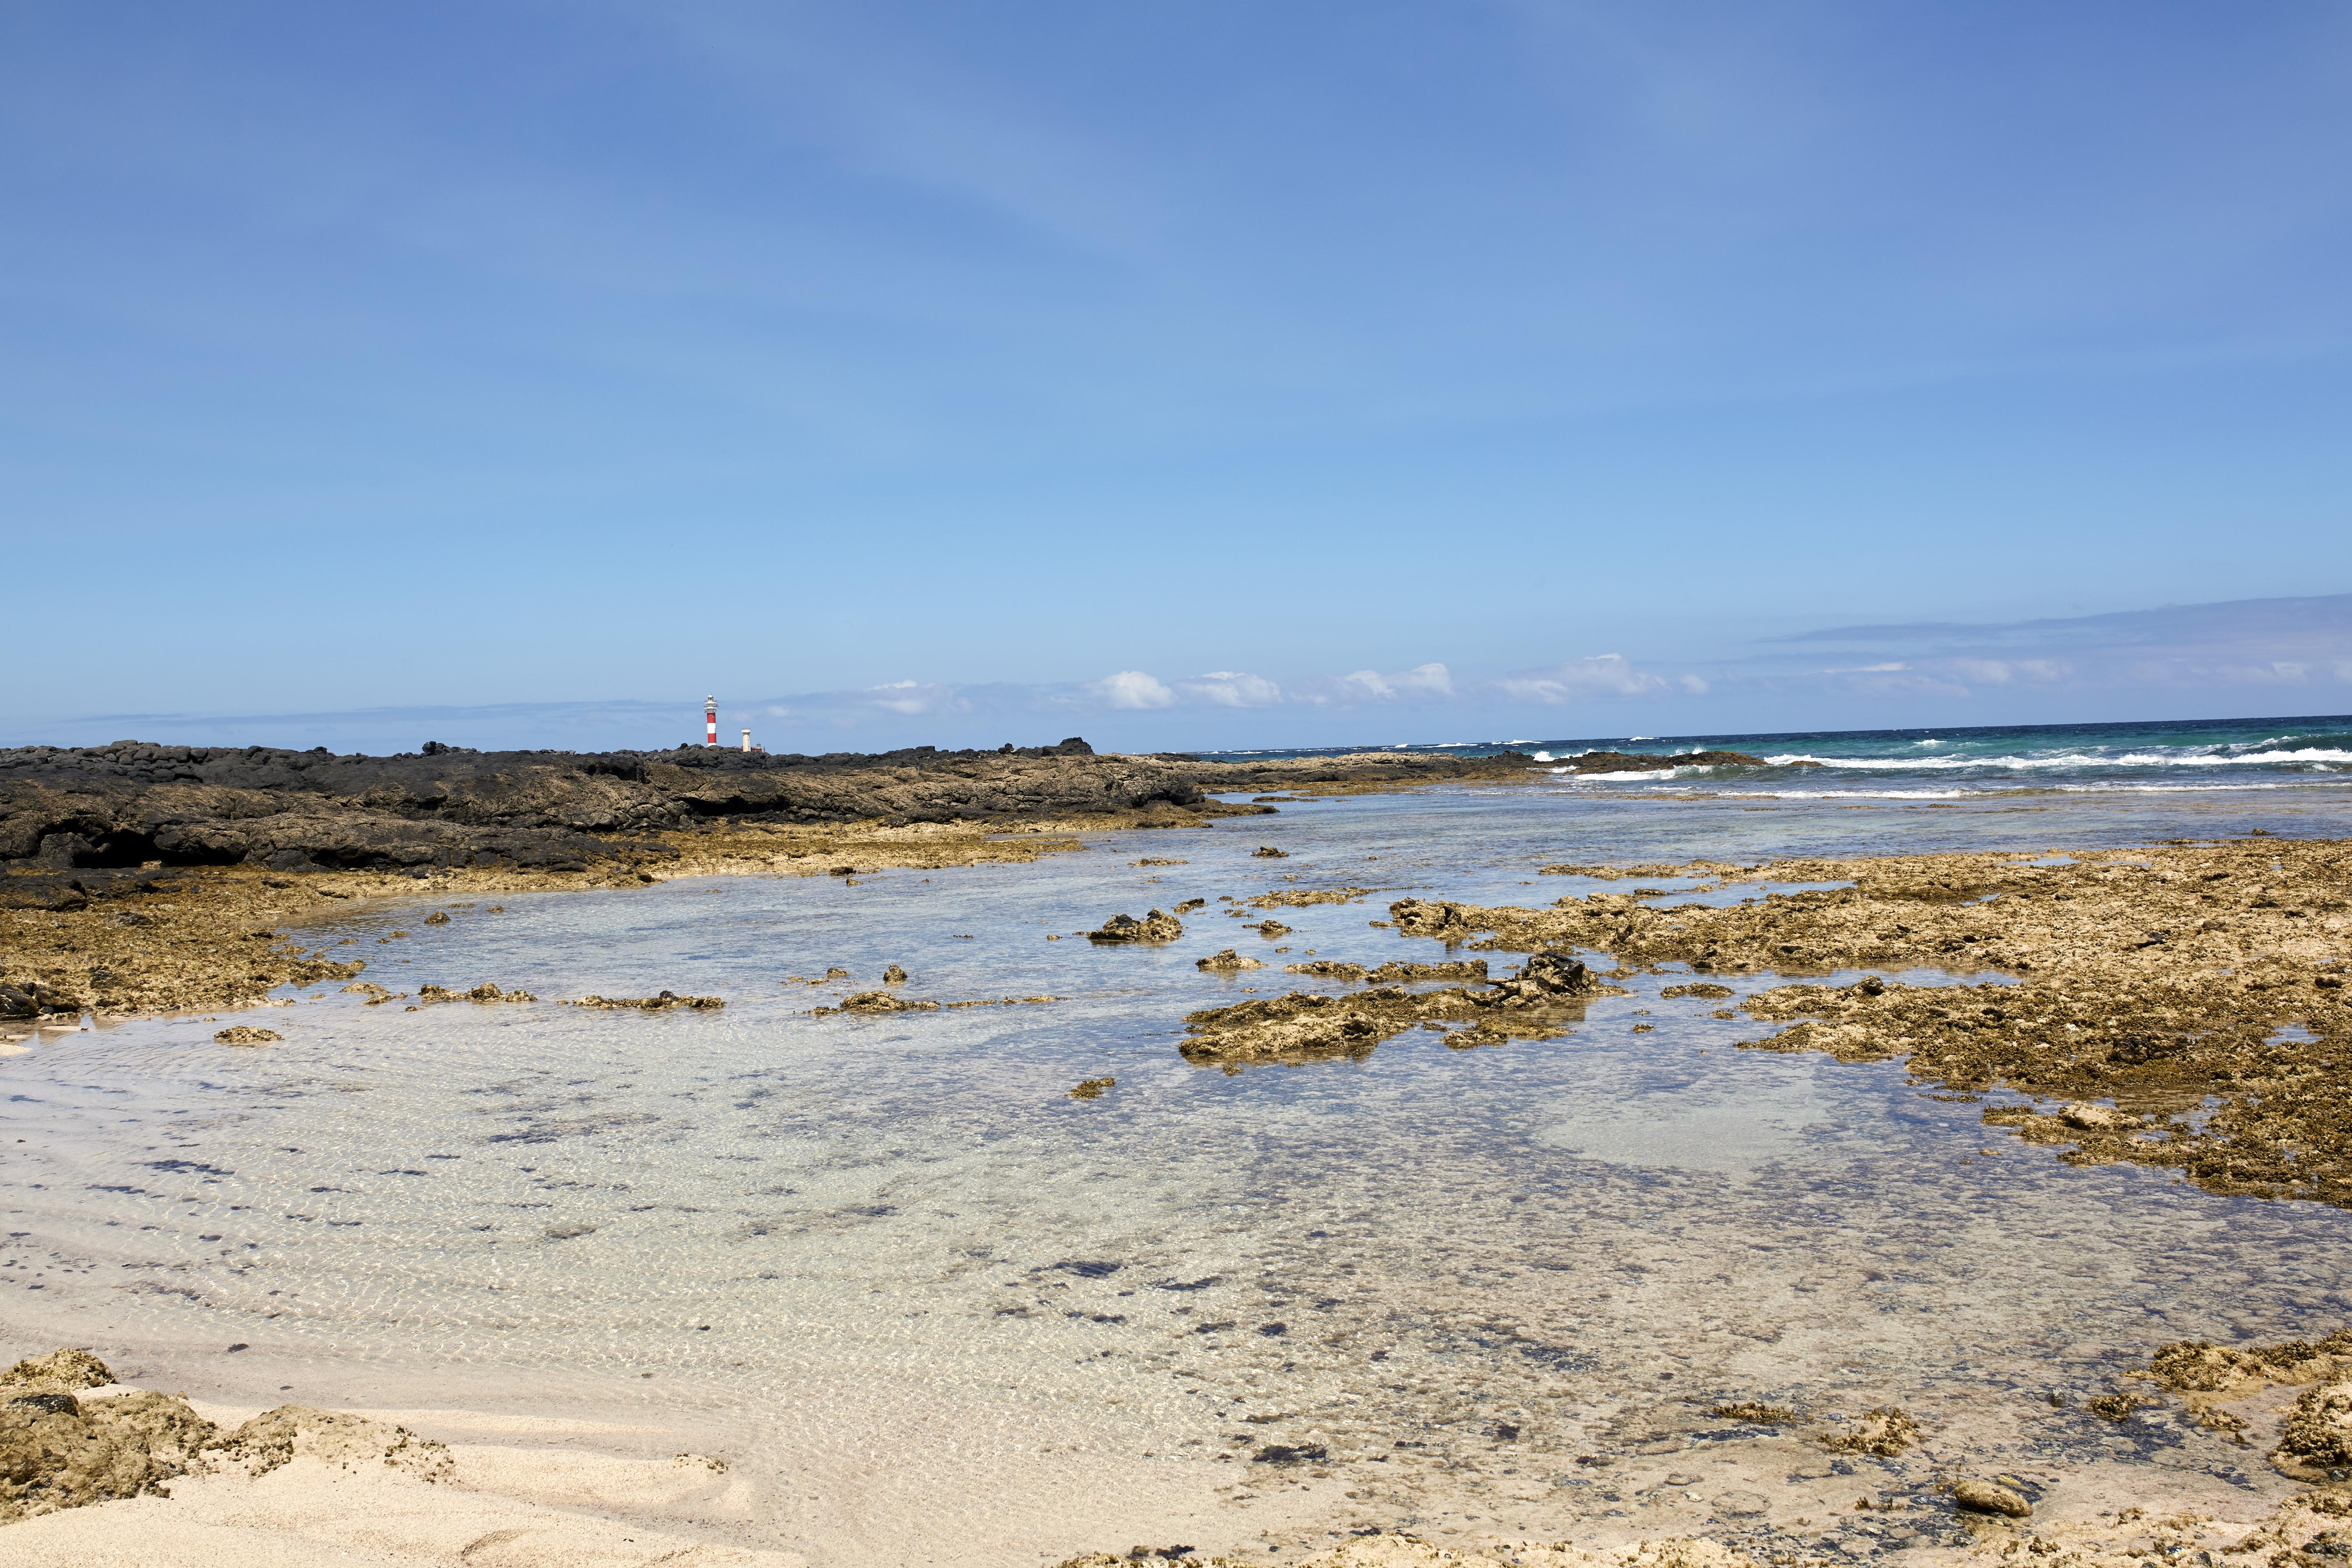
point(1230, 688)
point(913, 696)
point(1132, 689)
point(2003, 671)
point(1603, 675)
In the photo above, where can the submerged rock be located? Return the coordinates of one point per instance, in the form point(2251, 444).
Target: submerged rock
point(1395, 971)
point(1711, 992)
point(1980, 1496)
point(486, 992)
point(1885, 1431)
point(1157, 926)
point(1548, 991)
point(1268, 852)
point(1092, 1089)
point(872, 1002)
point(1321, 969)
point(246, 1035)
point(663, 1003)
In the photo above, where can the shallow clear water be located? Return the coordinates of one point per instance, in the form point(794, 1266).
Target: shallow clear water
point(885, 1256)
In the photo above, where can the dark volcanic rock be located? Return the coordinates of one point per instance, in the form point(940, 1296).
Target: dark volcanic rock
point(75, 810)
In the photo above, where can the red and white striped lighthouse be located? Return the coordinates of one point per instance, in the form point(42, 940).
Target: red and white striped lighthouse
point(711, 720)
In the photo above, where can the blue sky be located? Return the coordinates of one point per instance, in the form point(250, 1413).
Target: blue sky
point(548, 360)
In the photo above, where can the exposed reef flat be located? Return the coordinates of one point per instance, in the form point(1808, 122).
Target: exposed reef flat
point(1536, 1003)
point(2185, 1006)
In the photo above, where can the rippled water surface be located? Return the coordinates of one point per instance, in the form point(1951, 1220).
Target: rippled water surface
point(888, 1256)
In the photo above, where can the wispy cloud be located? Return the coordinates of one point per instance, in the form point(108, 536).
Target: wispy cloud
point(2181, 647)
point(1603, 674)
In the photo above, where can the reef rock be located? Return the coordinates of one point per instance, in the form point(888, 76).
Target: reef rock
point(275, 1437)
point(486, 992)
point(1157, 926)
point(59, 1451)
point(661, 1004)
point(1980, 1496)
point(1305, 1026)
point(1228, 962)
point(877, 1001)
point(2317, 1436)
point(1885, 1431)
point(246, 1035)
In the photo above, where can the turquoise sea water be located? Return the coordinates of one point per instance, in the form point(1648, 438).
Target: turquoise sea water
point(923, 1300)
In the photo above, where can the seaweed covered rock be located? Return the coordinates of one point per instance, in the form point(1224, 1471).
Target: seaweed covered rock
point(1157, 926)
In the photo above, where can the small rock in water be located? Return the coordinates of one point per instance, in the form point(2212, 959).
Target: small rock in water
point(246, 1035)
point(1157, 926)
point(1989, 1497)
point(1268, 852)
point(1227, 962)
point(436, 918)
point(1092, 1089)
point(894, 976)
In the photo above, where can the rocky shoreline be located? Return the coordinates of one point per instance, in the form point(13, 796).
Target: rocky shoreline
point(144, 878)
